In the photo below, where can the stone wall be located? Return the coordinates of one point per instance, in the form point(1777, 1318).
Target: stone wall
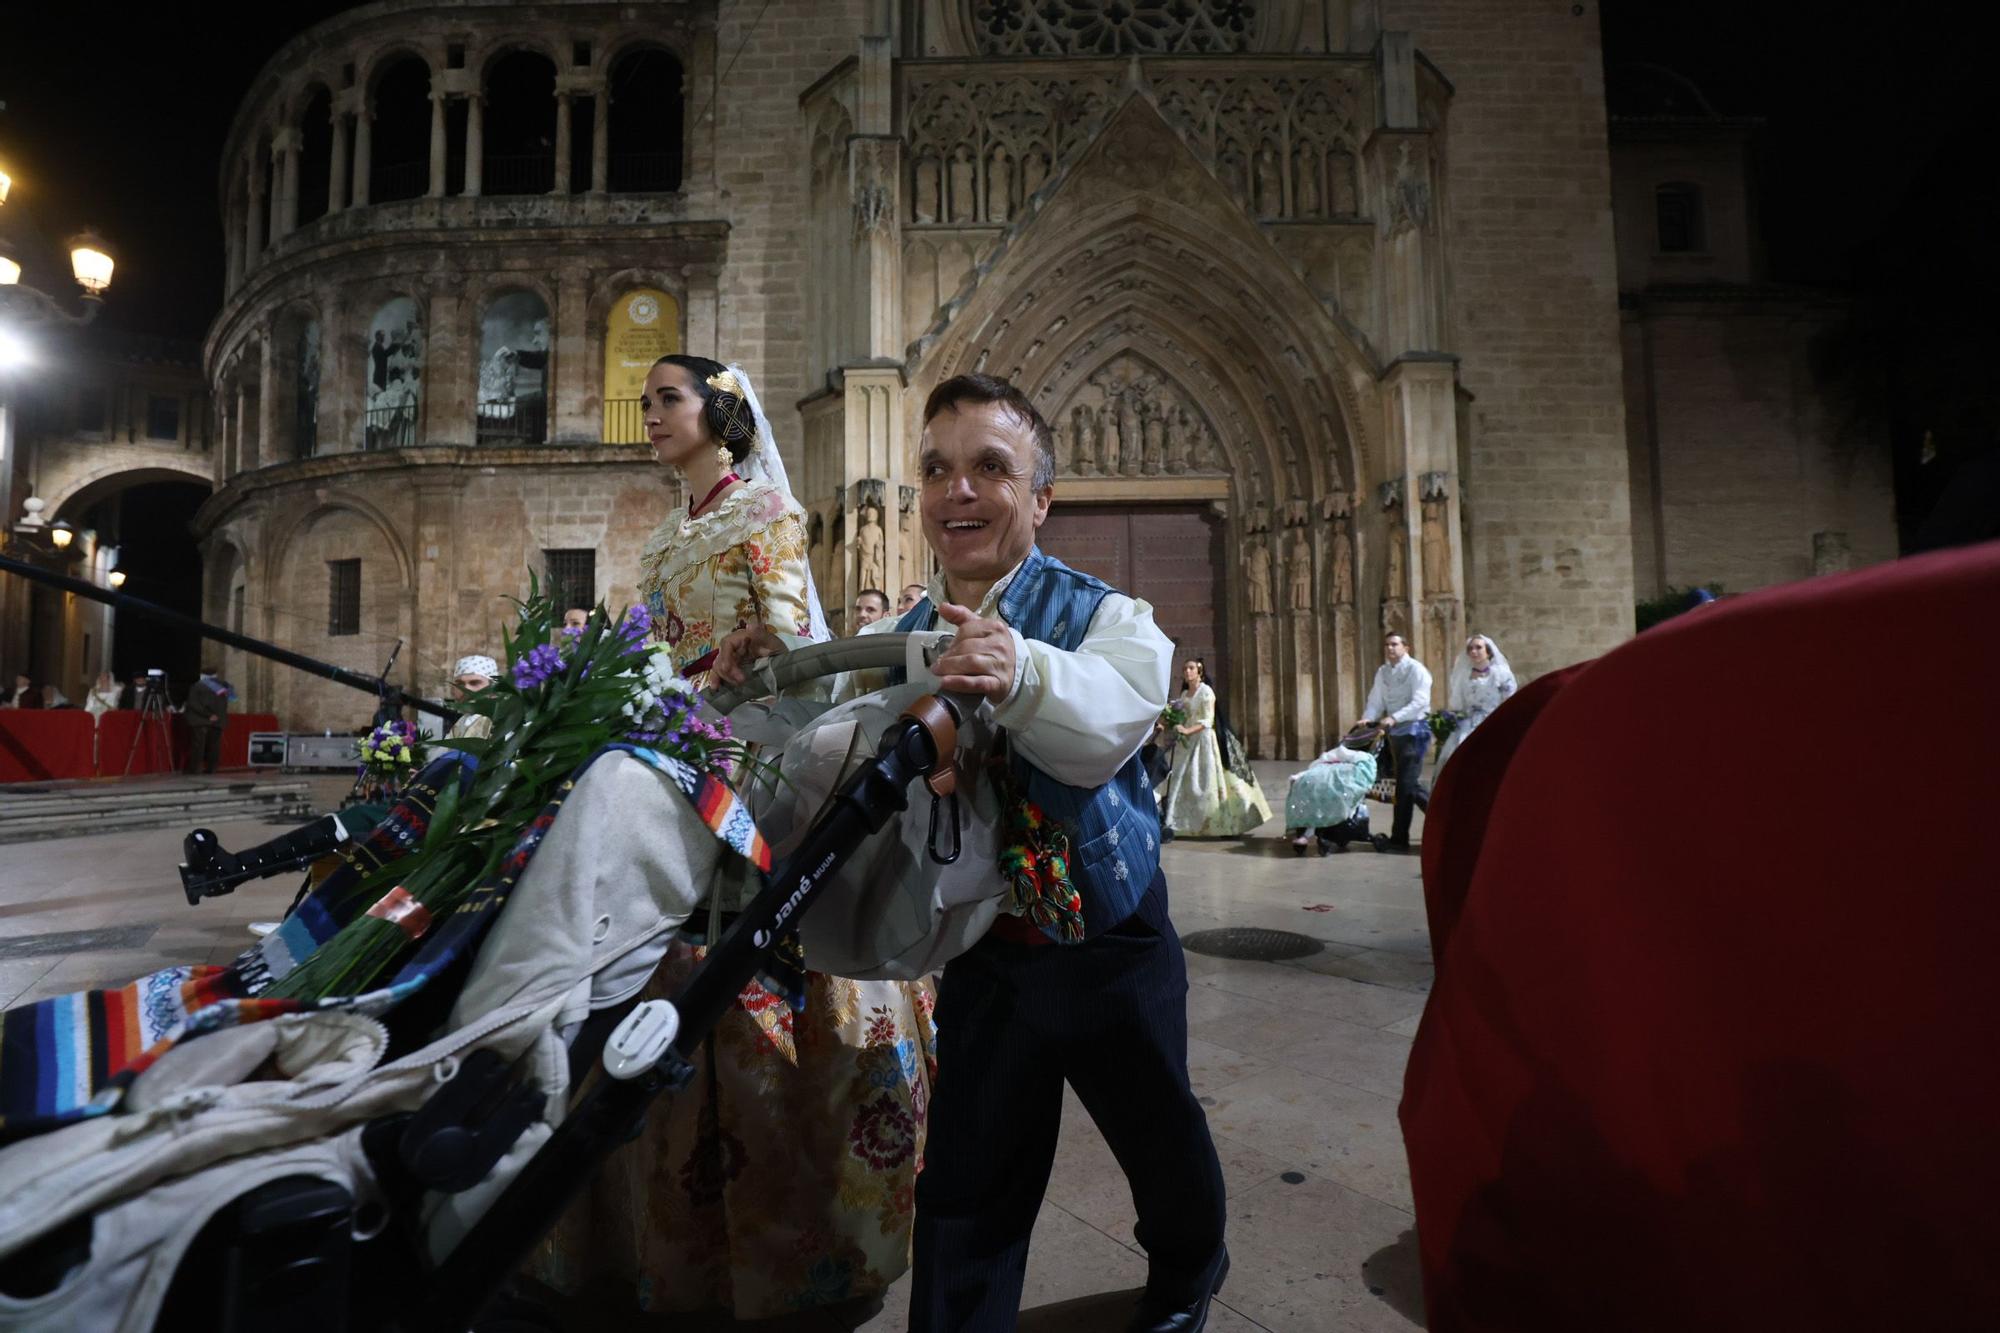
point(1531, 310)
point(762, 186)
point(1746, 453)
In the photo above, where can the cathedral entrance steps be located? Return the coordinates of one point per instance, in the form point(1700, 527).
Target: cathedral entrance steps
point(29, 811)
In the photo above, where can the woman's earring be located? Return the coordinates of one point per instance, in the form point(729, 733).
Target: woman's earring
point(723, 458)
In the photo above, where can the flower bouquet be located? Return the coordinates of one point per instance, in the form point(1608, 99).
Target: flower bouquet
point(563, 700)
point(388, 755)
point(1442, 722)
point(1173, 715)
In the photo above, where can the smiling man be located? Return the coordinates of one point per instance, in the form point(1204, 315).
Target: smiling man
point(1087, 983)
point(1076, 674)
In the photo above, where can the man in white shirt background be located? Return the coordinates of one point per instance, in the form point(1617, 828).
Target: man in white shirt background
point(870, 605)
point(1397, 703)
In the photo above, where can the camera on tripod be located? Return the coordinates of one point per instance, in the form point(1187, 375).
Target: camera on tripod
point(154, 686)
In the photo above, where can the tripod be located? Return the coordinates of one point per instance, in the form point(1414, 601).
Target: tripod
point(153, 731)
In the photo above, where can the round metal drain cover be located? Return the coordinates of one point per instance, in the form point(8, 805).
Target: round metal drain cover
point(1251, 942)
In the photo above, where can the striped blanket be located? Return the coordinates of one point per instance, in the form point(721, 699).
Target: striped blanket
point(73, 1056)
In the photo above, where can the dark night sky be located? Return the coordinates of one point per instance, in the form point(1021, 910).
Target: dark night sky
point(1879, 119)
point(1872, 111)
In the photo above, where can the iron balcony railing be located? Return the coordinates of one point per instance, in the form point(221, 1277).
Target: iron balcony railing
point(522, 421)
point(389, 427)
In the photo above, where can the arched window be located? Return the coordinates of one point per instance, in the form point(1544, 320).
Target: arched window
point(520, 127)
point(400, 159)
point(315, 154)
point(645, 121)
point(1677, 213)
point(393, 362)
point(514, 370)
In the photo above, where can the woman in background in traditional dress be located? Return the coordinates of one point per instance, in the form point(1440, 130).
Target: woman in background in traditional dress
point(1203, 796)
point(785, 1177)
point(1481, 681)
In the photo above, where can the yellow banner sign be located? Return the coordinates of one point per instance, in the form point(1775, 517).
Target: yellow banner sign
point(643, 326)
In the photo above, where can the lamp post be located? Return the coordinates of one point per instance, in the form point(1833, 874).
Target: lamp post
point(29, 309)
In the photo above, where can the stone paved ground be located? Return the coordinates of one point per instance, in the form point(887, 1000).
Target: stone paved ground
point(1300, 1065)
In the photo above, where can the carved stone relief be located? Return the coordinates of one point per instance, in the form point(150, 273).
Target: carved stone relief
point(979, 149)
point(1283, 145)
point(1299, 573)
point(1257, 561)
point(1129, 419)
point(1092, 28)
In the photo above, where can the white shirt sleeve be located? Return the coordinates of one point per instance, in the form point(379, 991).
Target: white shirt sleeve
point(1078, 716)
point(1420, 694)
point(1373, 708)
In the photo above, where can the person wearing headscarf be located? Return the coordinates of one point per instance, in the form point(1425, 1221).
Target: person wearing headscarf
point(103, 696)
point(474, 672)
point(1481, 681)
point(785, 1177)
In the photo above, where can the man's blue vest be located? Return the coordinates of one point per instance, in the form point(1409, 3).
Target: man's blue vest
point(1114, 830)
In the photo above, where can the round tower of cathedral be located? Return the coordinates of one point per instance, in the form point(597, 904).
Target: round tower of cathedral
point(1320, 296)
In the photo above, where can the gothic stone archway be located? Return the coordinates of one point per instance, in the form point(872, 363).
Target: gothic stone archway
point(1181, 359)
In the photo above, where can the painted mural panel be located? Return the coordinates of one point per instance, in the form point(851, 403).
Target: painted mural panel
point(514, 370)
point(395, 369)
point(643, 326)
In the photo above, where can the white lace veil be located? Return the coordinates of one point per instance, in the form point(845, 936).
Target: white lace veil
point(1461, 670)
point(763, 463)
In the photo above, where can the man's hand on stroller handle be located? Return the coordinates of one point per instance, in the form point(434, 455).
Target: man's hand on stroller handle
point(980, 660)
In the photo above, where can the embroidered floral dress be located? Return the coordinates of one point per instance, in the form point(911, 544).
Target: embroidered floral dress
point(784, 1177)
point(1202, 797)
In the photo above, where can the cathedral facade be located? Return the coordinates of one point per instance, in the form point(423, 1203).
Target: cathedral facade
point(1320, 296)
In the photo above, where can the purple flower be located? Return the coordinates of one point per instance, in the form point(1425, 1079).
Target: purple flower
point(637, 627)
point(541, 662)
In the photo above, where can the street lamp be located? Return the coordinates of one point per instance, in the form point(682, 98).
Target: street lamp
point(116, 578)
point(62, 534)
point(90, 260)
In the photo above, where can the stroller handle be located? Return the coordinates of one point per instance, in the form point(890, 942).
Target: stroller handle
point(773, 674)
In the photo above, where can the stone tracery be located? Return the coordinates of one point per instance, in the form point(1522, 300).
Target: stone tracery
point(1086, 27)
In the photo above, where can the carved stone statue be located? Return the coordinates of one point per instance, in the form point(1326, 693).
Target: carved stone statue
point(1034, 170)
point(1177, 430)
point(1340, 192)
point(1305, 182)
point(1129, 439)
point(1437, 552)
point(1235, 176)
point(1299, 574)
point(962, 195)
point(1396, 581)
point(1259, 559)
point(869, 546)
point(924, 198)
point(999, 175)
point(1270, 184)
point(1343, 566)
point(1108, 443)
point(1150, 427)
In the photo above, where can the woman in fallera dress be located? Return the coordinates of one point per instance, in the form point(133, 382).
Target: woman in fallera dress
point(784, 1177)
point(1204, 796)
point(1481, 681)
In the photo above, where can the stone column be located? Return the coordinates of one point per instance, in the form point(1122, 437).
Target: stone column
point(578, 415)
point(267, 399)
point(561, 183)
point(475, 145)
point(232, 244)
point(287, 147)
point(277, 200)
point(245, 452)
point(600, 134)
point(451, 372)
point(253, 213)
point(219, 463)
point(437, 146)
point(364, 139)
point(337, 165)
point(340, 397)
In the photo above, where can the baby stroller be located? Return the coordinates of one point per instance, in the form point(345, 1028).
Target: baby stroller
point(1327, 803)
point(338, 1170)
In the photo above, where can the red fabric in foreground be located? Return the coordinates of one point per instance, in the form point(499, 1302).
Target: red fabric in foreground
point(37, 745)
point(1712, 1040)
